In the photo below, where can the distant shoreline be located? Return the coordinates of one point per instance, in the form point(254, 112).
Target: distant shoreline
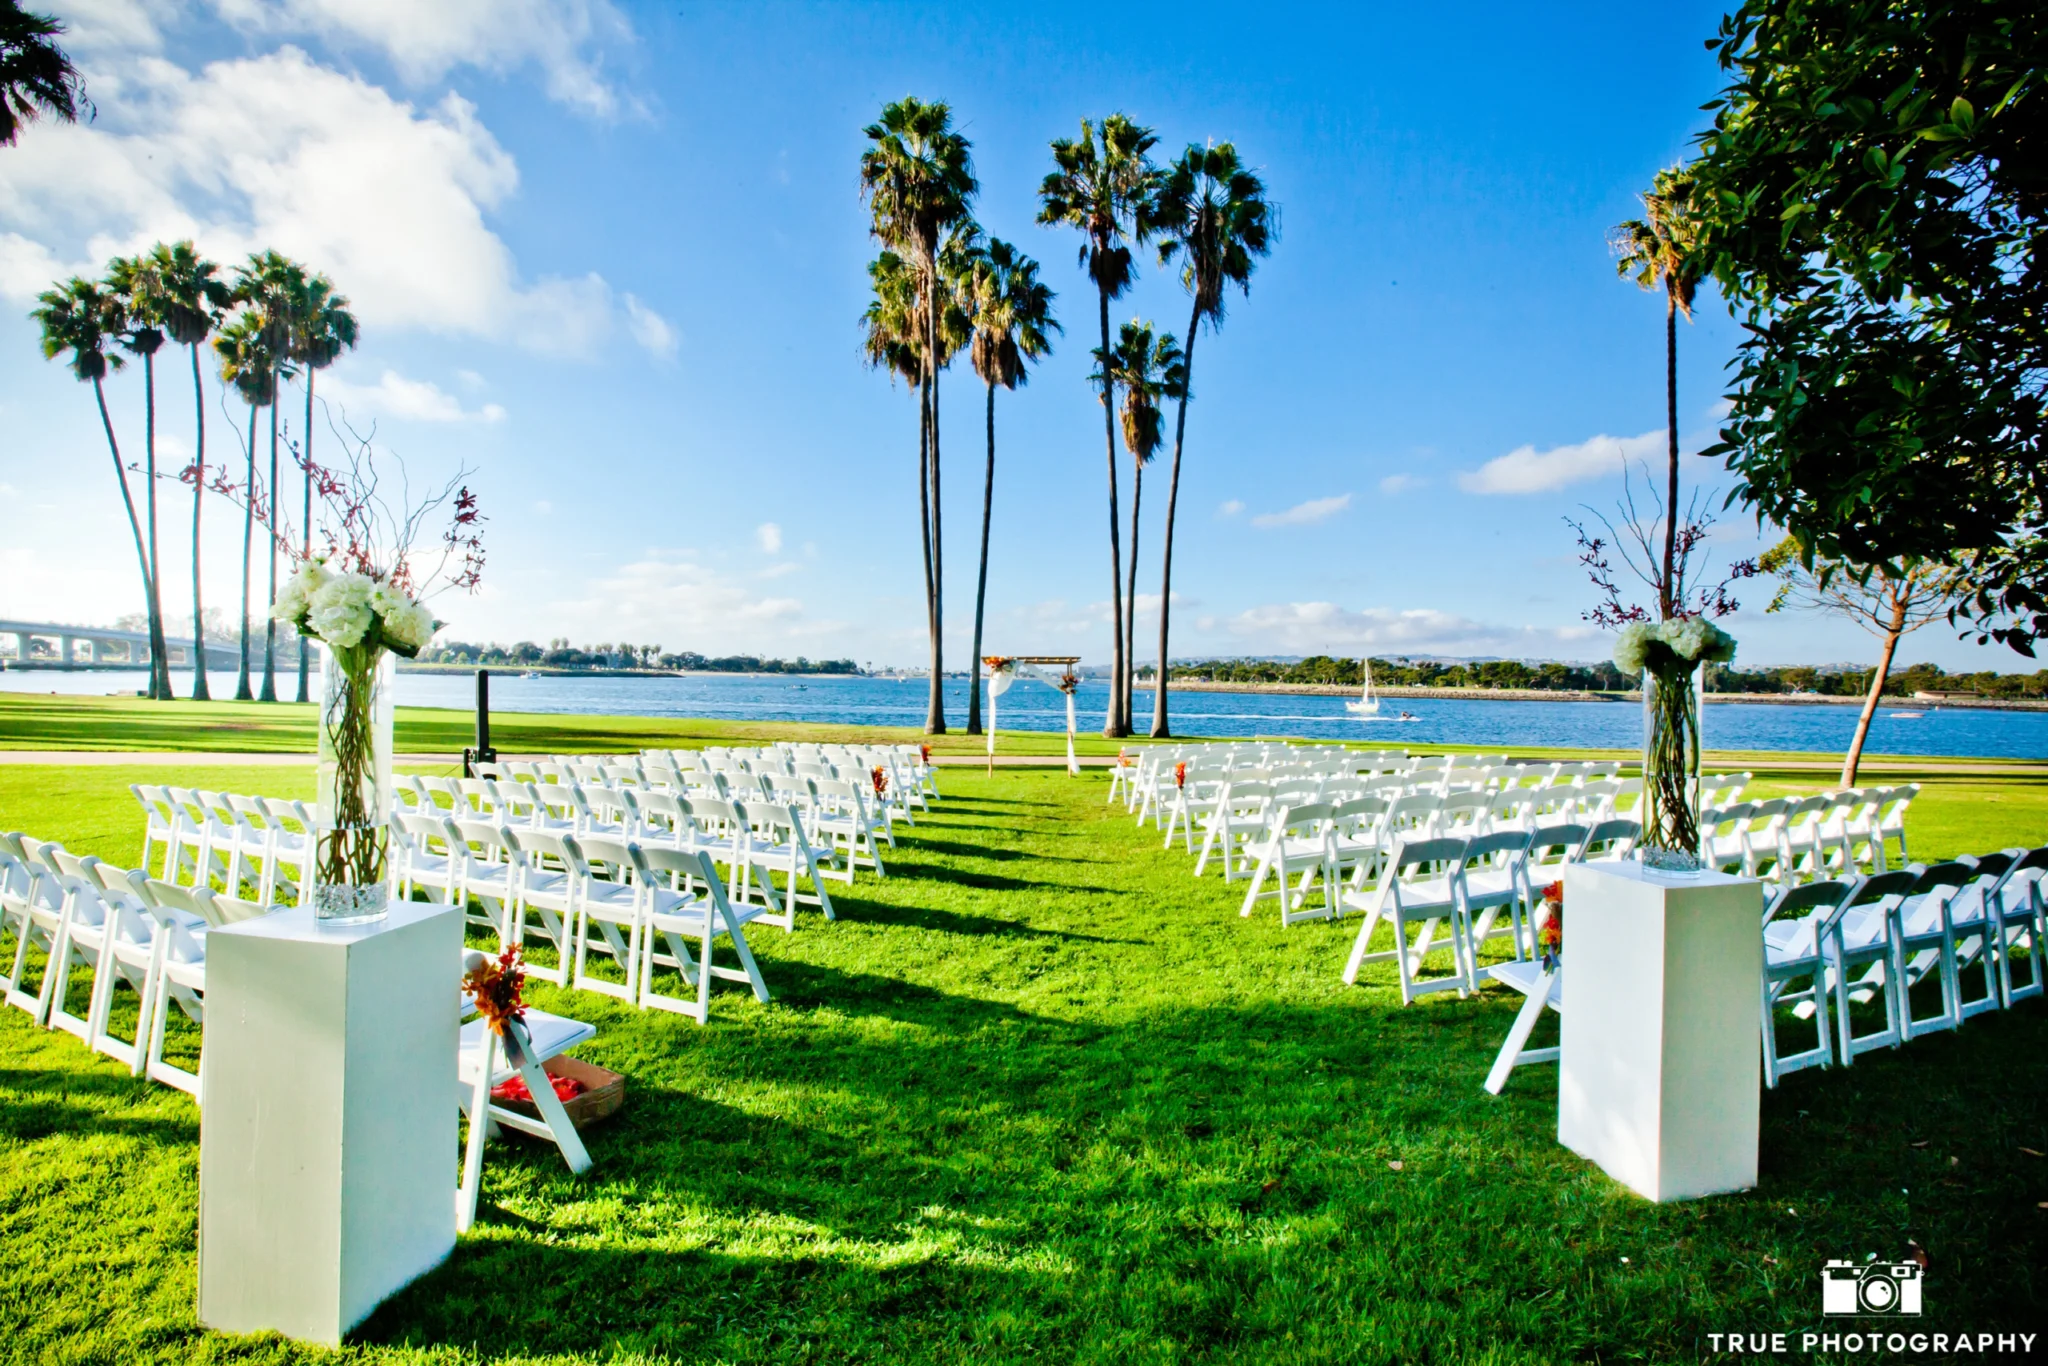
point(1399, 690)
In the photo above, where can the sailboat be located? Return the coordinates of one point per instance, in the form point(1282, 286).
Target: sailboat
point(1367, 704)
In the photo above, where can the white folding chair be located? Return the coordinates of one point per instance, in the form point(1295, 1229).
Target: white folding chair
point(1418, 888)
point(1296, 853)
point(1793, 955)
point(1542, 986)
point(1856, 938)
point(485, 1061)
point(685, 901)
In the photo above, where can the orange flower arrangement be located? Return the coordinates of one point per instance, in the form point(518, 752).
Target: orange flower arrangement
point(1550, 923)
point(496, 985)
point(1070, 682)
point(925, 752)
point(1180, 774)
point(881, 780)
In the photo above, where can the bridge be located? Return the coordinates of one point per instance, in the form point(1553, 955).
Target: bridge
point(55, 645)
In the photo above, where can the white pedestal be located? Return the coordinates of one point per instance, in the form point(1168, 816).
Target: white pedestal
point(1660, 1073)
point(327, 1135)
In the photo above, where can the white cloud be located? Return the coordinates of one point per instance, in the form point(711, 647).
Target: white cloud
point(649, 328)
point(1326, 628)
point(281, 151)
point(426, 40)
point(1305, 514)
point(1395, 484)
point(28, 268)
point(672, 594)
point(769, 536)
point(115, 25)
point(1528, 470)
point(393, 395)
point(1230, 509)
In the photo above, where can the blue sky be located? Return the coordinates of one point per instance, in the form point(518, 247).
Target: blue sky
point(613, 258)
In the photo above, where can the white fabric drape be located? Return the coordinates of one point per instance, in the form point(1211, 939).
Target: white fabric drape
point(1000, 681)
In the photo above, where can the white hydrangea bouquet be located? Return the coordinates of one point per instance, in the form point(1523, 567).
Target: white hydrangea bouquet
point(363, 601)
point(362, 619)
point(1667, 656)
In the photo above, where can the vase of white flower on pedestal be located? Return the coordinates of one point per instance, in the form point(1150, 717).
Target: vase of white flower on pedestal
point(1670, 657)
point(362, 622)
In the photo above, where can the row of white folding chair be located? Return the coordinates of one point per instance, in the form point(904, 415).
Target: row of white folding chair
point(1878, 937)
point(1424, 883)
point(756, 839)
point(128, 928)
point(264, 845)
point(1786, 838)
point(539, 887)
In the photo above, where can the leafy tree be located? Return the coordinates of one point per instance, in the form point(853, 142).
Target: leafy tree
point(191, 297)
point(249, 364)
point(1011, 314)
point(321, 329)
point(36, 78)
point(132, 281)
point(1147, 370)
point(1657, 251)
point(1104, 184)
point(1887, 601)
point(1214, 216)
point(1871, 200)
point(82, 317)
point(918, 179)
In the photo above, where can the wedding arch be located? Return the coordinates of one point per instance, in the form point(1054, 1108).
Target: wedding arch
point(1004, 670)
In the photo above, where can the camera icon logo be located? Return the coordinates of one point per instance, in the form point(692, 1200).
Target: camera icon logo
point(1868, 1289)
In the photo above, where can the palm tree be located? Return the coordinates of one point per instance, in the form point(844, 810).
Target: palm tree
point(1104, 184)
point(1657, 251)
point(268, 285)
point(1213, 215)
point(918, 179)
point(895, 341)
point(192, 298)
point(132, 281)
point(80, 316)
point(36, 78)
point(1146, 370)
point(1011, 313)
point(322, 328)
point(247, 362)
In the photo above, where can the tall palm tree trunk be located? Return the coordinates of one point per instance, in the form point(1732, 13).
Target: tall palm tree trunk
point(1854, 757)
point(200, 692)
point(1669, 591)
point(924, 509)
point(306, 531)
point(159, 653)
point(243, 692)
point(1130, 623)
point(1160, 729)
point(99, 393)
point(988, 486)
point(269, 693)
point(935, 711)
point(1118, 723)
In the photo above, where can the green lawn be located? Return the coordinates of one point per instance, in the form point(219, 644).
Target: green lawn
point(1042, 1097)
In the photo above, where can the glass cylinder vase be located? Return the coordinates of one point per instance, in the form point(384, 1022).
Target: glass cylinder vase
point(1671, 770)
point(351, 869)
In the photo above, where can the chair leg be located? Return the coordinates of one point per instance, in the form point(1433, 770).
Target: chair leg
point(1525, 1025)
